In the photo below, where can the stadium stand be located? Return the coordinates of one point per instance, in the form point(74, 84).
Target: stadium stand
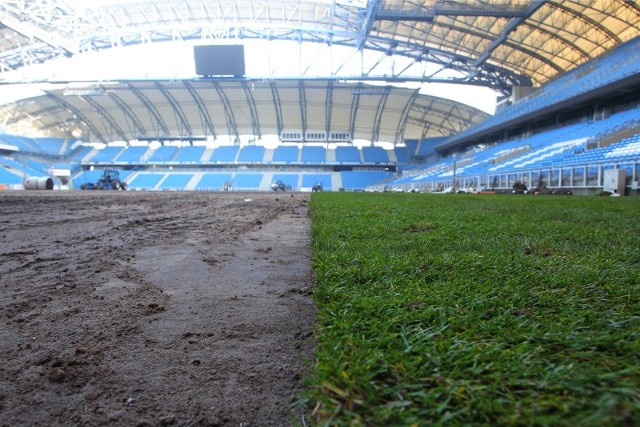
point(213, 181)
point(132, 154)
point(164, 154)
point(24, 168)
point(288, 179)
point(23, 143)
point(106, 155)
point(190, 154)
point(374, 155)
point(9, 178)
point(145, 181)
point(348, 155)
point(251, 154)
point(570, 152)
point(286, 154)
point(225, 154)
point(247, 181)
point(313, 154)
point(359, 180)
point(309, 180)
point(51, 145)
point(176, 181)
point(591, 76)
point(402, 155)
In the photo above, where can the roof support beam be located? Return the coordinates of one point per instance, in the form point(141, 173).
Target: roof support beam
point(276, 104)
point(427, 126)
point(372, 9)
point(202, 108)
point(511, 25)
point(232, 127)
point(104, 114)
point(355, 102)
point(464, 123)
point(33, 32)
point(375, 134)
point(21, 114)
point(585, 18)
point(382, 57)
point(303, 109)
point(328, 108)
point(186, 131)
point(151, 108)
point(255, 123)
point(80, 117)
point(428, 14)
point(402, 123)
point(139, 128)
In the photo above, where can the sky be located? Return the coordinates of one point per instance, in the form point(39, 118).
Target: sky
point(174, 60)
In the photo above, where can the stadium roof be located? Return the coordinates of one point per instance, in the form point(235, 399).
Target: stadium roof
point(180, 110)
point(495, 43)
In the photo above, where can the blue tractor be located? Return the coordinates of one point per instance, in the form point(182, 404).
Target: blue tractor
point(110, 180)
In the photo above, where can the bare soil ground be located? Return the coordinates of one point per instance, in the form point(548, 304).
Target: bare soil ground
point(131, 308)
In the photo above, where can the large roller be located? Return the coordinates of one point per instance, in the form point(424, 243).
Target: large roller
point(38, 183)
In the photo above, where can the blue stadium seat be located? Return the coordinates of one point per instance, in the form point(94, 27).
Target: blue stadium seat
point(359, 180)
point(225, 154)
point(146, 181)
point(132, 154)
point(106, 155)
point(163, 154)
point(176, 181)
point(310, 179)
point(313, 154)
point(190, 154)
point(348, 155)
point(288, 179)
point(247, 181)
point(251, 154)
point(286, 154)
point(9, 178)
point(213, 181)
point(375, 155)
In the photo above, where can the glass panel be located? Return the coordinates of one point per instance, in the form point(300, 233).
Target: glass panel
point(592, 176)
point(578, 177)
point(566, 177)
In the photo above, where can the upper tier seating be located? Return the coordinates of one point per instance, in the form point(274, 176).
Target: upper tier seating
point(166, 153)
point(251, 154)
point(615, 66)
point(106, 155)
point(348, 154)
point(190, 154)
point(176, 181)
point(375, 155)
point(213, 181)
point(286, 154)
point(225, 154)
point(314, 154)
point(132, 154)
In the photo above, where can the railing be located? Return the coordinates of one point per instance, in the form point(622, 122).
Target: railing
point(585, 176)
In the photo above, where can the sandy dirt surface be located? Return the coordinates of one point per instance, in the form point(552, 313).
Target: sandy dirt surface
point(145, 309)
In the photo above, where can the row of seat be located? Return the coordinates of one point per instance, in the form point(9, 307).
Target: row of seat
point(247, 154)
point(250, 181)
point(553, 148)
point(615, 66)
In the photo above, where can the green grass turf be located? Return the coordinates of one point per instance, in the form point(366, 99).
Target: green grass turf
point(475, 309)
